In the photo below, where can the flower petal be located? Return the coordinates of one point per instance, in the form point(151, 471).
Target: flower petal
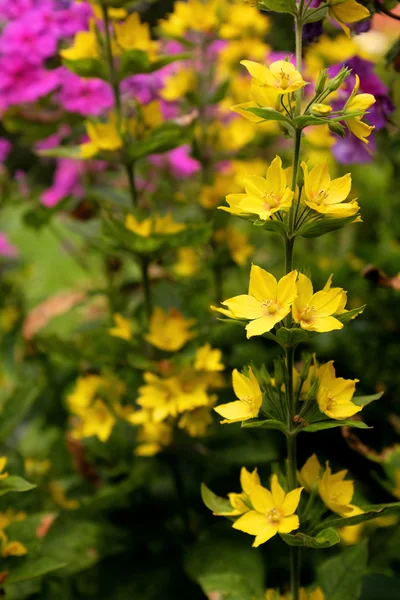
point(265, 534)
point(263, 285)
point(288, 524)
point(244, 307)
point(278, 494)
point(262, 499)
point(251, 522)
point(291, 501)
point(287, 288)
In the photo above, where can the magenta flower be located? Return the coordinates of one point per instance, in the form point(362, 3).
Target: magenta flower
point(66, 182)
point(22, 82)
point(84, 96)
point(7, 249)
point(29, 38)
point(179, 161)
point(5, 147)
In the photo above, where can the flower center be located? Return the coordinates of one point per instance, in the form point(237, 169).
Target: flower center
point(283, 81)
point(270, 307)
point(274, 516)
point(308, 313)
point(320, 197)
point(271, 200)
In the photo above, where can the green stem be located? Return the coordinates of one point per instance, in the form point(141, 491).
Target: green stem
point(110, 62)
point(130, 173)
point(146, 287)
point(295, 571)
point(296, 160)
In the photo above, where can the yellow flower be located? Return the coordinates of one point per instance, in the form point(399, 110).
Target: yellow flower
point(238, 246)
point(351, 534)
point(327, 196)
point(134, 35)
point(233, 135)
point(273, 512)
point(188, 262)
point(244, 21)
point(249, 393)
point(267, 302)
point(122, 328)
point(358, 102)
point(57, 492)
point(153, 438)
point(234, 200)
point(191, 16)
point(178, 85)
point(97, 421)
point(337, 494)
point(116, 14)
point(169, 331)
point(264, 197)
point(314, 311)
point(241, 502)
point(321, 110)
point(308, 474)
point(349, 11)
point(208, 359)
point(335, 393)
point(3, 462)
point(196, 422)
point(11, 548)
point(153, 225)
point(36, 468)
point(11, 516)
point(103, 137)
point(85, 45)
point(281, 76)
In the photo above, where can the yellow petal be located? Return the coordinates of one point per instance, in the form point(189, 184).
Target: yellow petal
point(251, 522)
point(276, 177)
point(324, 324)
point(240, 109)
point(243, 386)
point(263, 285)
point(291, 501)
point(278, 494)
point(244, 307)
point(287, 288)
point(256, 70)
point(265, 324)
point(288, 524)
point(265, 534)
point(326, 303)
point(234, 412)
point(339, 189)
point(249, 480)
point(262, 499)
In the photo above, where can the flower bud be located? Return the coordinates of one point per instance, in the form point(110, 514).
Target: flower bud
point(337, 128)
point(337, 81)
point(321, 81)
point(321, 110)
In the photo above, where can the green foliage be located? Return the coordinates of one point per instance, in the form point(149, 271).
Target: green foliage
point(13, 483)
point(341, 577)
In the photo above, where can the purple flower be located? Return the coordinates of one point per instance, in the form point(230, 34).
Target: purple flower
point(16, 8)
point(29, 38)
point(21, 82)
point(312, 31)
point(144, 88)
point(351, 150)
point(66, 182)
point(179, 161)
point(5, 147)
point(7, 249)
point(84, 96)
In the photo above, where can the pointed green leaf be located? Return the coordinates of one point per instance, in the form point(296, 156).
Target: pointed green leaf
point(269, 114)
point(371, 511)
point(267, 424)
point(341, 577)
point(133, 62)
point(87, 67)
point(291, 337)
point(350, 314)
point(62, 152)
point(214, 502)
point(13, 483)
point(280, 6)
point(365, 400)
point(325, 539)
point(312, 15)
point(32, 567)
point(163, 61)
point(321, 425)
point(318, 227)
point(165, 137)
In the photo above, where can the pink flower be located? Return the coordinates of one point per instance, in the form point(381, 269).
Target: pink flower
point(7, 249)
point(66, 182)
point(22, 82)
point(5, 147)
point(84, 96)
point(178, 161)
point(29, 38)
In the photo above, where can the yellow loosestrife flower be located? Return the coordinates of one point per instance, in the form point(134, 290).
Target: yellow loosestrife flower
point(153, 225)
point(314, 312)
point(308, 474)
point(348, 12)
point(169, 331)
point(358, 102)
point(116, 14)
point(337, 493)
point(85, 45)
point(335, 393)
point(3, 462)
point(178, 85)
point(208, 359)
point(188, 262)
point(264, 197)
point(103, 137)
point(273, 512)
point(281, 76)
point(11, 548)
point(134, 35)
point(153, 438)
point(243, 21)
point(327, 196)
point(267, 302)
point(241, 502)
point(122, 328)
point(192, 16)
point(238, 246)
point(249, 393)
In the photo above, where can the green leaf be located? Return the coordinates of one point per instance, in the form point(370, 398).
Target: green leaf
point(306, 120)
point(350, 314)
point(318, 227)
point(280, 6)
point(325, 539)
point(371, 511)
point(61, 152)
point(163, 138)
point(311, 16)
point(267, 424)
point(341, 577)
point(270, 225)
point(13, 483)
point(321, 425)
point(365, 400)
point(32, 567)
point(87, 67)
point(133, 62)
point(163, 61)
point(227, 569)
point(214, 502)
point(269, 114)
point(14, 407)
point(291, 337)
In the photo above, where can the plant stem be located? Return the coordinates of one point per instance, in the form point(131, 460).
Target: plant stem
point(295, 571)
point(130, 173)
point(110, 62)
point(146, 287)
